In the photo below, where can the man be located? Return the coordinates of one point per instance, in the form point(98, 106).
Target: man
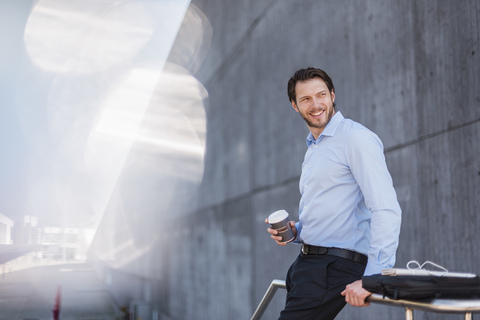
point(348, 214)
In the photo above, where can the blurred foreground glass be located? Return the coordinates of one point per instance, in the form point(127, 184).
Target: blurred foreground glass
point(118, 133)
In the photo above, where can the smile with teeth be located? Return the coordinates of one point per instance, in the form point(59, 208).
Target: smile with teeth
point(318, 113)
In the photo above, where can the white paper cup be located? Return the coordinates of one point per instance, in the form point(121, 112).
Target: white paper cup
point(280, 222)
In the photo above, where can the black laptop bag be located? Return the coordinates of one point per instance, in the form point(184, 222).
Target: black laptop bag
point(422, 287)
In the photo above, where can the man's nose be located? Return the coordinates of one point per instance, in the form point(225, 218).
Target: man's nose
point(316, 102)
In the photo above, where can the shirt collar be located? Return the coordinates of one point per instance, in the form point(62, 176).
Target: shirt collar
point(329, 130)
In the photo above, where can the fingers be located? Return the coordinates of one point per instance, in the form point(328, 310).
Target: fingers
point(355, 295)
point(274, 233)
point(294, 228)
point(355, 300)
point(278, 239)
point(292, 224)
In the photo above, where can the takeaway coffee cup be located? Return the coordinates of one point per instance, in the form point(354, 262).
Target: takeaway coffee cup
point(280, 222)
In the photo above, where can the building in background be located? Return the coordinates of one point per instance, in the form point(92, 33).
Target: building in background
point(6, 225)
point(64, 244)
point(30, 244)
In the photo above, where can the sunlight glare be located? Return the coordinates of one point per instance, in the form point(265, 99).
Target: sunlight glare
point(84, 36)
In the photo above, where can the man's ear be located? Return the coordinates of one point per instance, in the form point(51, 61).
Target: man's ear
point(333, 96)
point(294, 105)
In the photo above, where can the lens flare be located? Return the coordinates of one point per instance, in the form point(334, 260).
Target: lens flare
point(81, 36)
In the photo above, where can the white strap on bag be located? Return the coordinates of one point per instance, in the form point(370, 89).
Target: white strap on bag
point(420, 270)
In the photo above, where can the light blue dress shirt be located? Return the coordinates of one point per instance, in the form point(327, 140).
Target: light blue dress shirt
point(348, 200)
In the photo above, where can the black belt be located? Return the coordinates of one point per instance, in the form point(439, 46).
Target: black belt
point(337, 252)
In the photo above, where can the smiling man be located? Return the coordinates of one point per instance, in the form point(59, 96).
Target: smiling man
point(315, 104)
point(349, 216)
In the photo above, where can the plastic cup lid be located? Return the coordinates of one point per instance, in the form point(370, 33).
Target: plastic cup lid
point(277, 216)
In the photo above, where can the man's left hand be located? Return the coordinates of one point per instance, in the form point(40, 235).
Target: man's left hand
point(355, 295)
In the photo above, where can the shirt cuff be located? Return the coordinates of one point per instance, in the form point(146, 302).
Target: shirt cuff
point(373, 268)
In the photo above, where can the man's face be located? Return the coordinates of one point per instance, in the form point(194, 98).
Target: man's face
point(315, 104)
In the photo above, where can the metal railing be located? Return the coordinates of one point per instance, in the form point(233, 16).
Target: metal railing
point(262, 306)
point(465, 306)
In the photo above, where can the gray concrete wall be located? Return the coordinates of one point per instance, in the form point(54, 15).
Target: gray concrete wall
point(408, 70)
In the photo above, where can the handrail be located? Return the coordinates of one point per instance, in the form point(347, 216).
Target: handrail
point(262, 306)
point(465, 306)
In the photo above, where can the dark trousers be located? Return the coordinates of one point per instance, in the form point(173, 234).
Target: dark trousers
point(314, 284)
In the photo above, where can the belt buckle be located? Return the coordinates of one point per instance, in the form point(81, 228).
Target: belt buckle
point(303, 249)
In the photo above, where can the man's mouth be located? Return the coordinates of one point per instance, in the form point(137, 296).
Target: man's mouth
point(317, 114)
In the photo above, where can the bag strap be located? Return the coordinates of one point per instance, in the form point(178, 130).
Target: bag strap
point(421, 267)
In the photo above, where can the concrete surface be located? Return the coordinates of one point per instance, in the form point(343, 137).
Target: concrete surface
point(408, 70)
point(30, 294)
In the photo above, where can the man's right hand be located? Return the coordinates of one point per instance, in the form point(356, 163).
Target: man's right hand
point(274, 233)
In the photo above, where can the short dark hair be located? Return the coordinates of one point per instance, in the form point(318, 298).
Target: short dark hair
point(307, 74)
